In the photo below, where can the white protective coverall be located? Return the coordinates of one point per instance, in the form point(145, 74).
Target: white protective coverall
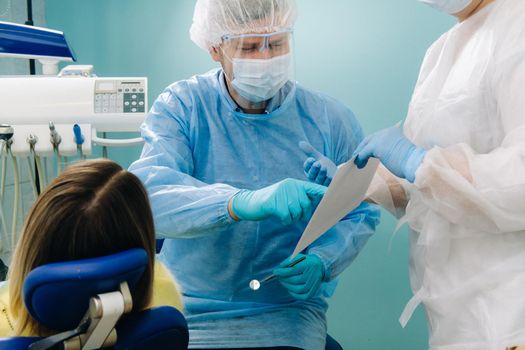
point(466, 209)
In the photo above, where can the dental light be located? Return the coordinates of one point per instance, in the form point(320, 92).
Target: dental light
point(47, 45)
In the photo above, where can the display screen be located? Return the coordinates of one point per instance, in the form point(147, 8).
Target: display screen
point(106, 86)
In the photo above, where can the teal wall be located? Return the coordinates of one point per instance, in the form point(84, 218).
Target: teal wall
point(366, 53)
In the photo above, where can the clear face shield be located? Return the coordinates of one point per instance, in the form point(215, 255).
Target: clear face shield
point(260, 66)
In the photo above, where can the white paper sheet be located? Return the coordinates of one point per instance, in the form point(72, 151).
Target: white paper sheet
point(345, 193)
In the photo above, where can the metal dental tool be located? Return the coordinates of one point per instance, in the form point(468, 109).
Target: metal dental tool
point(256, 284)
point(32, 140)
point(55, 141)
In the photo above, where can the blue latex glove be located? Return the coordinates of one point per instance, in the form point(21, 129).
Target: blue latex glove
point(290, 200)
point(394, 150)
point(304, 279)
point(317, 167)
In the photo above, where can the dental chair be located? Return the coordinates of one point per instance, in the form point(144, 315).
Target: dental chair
point(89, 302)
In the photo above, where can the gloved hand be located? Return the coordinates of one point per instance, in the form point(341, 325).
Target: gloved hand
point(290, 200)
point(317, 167)
point(394, 150)
point(304, 279)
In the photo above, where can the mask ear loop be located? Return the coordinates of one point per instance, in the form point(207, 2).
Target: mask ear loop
point(227, 58)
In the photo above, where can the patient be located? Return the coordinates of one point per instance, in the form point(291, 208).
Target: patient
point(94, 208)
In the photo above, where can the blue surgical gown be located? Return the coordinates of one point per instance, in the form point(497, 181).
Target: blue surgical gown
point(200, 149)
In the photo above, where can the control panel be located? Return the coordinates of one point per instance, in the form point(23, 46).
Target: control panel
point(120, 96)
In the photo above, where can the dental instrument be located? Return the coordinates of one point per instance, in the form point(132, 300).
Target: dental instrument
point(256, 284)
point(55, 141)
point(32, 140)
point(79, 140)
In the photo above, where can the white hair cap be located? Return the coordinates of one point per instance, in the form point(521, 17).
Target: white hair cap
point(212, 19)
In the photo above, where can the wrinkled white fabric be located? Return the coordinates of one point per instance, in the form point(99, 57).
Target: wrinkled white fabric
point(467, 206)
point(212, 19)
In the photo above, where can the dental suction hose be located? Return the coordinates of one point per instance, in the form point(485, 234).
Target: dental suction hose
point(55, 139)
point(79, 139)
point(6, 135)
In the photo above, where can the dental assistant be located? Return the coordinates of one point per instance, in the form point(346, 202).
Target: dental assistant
point(456, 171)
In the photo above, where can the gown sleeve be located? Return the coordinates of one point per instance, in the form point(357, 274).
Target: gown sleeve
point(183, 206)
point(483, 191)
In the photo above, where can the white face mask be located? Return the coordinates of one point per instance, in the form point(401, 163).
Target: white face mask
point(448, 6)
point(259, 80)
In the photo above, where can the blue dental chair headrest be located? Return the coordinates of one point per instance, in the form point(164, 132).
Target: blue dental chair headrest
point(57, 295)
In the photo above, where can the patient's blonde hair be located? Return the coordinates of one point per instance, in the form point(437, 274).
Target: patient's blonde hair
point(94, 208)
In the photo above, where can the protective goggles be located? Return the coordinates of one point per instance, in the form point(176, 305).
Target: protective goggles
point(253, 45)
